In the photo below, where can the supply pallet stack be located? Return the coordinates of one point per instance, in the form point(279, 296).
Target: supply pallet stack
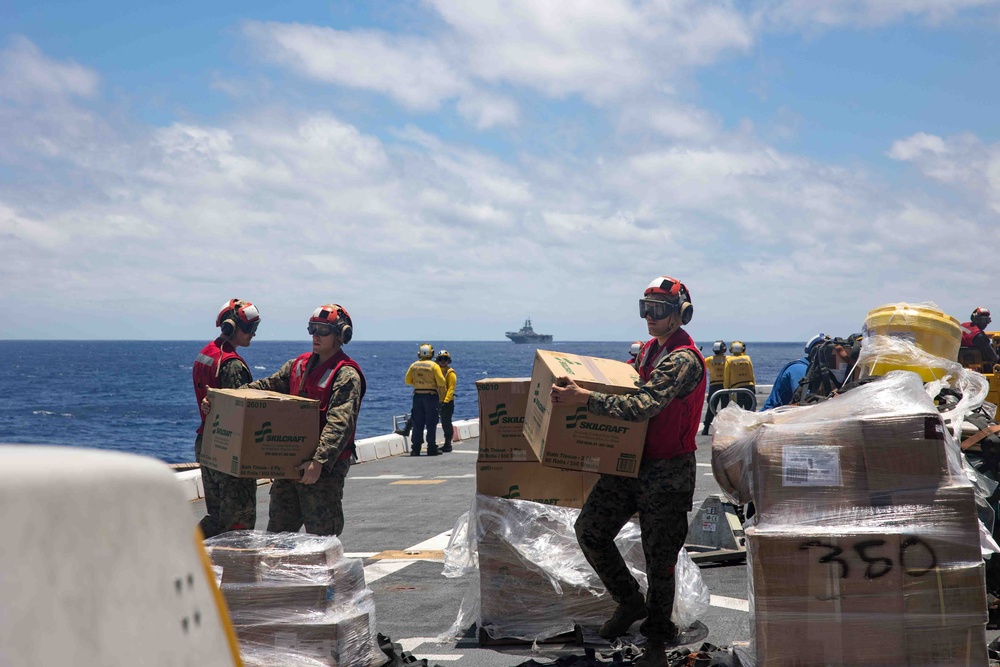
point(295, 599)
point(865, 549)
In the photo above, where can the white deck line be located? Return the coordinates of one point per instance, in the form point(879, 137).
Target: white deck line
point(729, 603)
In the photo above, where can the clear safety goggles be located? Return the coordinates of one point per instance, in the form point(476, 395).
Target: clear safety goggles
point(656, 308)
point(320, 329)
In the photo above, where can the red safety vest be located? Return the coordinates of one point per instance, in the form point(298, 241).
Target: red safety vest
point(318, 385)
point(672, 432)
point(206, 370)
point(969, 332)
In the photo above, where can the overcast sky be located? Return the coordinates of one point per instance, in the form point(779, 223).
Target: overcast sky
point(446, 168)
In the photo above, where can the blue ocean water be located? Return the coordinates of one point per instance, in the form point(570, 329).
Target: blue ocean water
point(136, 396)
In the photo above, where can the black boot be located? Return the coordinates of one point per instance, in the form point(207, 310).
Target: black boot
point(625, 615)
point(446, 448)
point(654, 655)
point(415, 450)
point(432, 450)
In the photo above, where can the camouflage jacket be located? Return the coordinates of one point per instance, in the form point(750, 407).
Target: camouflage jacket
point(676, 376)
point(234, 374)
point(341, 413)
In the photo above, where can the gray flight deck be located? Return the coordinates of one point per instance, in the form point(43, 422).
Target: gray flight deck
point(399, 504)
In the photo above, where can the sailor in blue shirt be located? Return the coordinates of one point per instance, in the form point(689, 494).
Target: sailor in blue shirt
point(788, 379)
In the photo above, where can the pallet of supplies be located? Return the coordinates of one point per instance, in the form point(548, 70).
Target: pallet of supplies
point(534, 582)
point(865, 546)
point(295, 599)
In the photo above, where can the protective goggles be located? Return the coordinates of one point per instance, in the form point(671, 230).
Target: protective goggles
point(320, 329)
point(656, 308)
point(248, 327)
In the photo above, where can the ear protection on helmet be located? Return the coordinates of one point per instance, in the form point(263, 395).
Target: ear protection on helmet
point(335, 315)
point(677, 291)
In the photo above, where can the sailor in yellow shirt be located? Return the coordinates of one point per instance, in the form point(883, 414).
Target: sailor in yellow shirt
point(448, 403)
point(429, 389)
point(716, 365)
point(739, 374)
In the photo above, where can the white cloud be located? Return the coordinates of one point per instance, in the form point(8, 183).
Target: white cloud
point(485, 110)
point(412, 71)
point(26, 74)
point(963, 161)
point(863, 13)
point(602, 51)
point(295, 208)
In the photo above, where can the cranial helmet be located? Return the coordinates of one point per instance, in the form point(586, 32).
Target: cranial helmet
point(635, 348)
point(737, 347)
point(676, 292)
point(719, 346)
point(335, 315)
point(237, 313)
point(815, 339)
point(425, 351)
point(981, 314)
point(444, 354)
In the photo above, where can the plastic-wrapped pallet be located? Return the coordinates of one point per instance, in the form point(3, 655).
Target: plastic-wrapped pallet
point(533, 580)
point(294, 599)
point(865, 549)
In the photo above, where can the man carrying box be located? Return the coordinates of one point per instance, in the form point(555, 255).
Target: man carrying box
point(336, 381)
point(670, 396)
point(231, 502)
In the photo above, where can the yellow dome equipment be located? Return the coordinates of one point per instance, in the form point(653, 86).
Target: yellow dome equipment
point(924, 325)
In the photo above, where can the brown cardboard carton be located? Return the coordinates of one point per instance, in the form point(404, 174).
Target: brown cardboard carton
point(337, 642)
point(502, 403)
point(253, 433)
point(572, 438)
point(845, 465)
point(860, 598)
point(278, 565)
point(534, 482)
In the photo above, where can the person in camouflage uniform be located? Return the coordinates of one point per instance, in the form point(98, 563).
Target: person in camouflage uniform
point(670, 396)
point(231, 502)
point(336, 381)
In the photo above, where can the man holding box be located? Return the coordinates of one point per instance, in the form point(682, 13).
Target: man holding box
point(231, 502)
point(336, 381)
point(670, 396)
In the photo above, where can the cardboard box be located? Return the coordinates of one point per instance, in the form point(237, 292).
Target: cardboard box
point(279, 564)
point(502, 404)
point(572, 438)
point(861, 598)
point(338, 642)
point(534, 482)
point(835, 467)
point(253, 433)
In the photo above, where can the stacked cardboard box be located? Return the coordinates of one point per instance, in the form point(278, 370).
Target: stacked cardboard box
point(295, 599)
point(508, 467)
point(866, 544)
point(517, 600)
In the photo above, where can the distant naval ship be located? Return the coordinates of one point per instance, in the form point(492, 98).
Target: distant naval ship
point(528, 335)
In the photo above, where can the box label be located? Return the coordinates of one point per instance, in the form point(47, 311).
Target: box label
point(811, 466)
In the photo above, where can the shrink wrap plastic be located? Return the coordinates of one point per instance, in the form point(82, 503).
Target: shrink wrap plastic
point(865, 548)
point(294, 599)
point(530, 578)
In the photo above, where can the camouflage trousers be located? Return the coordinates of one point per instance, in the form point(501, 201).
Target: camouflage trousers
point(662, 494)
point(231, 502)
point(319, 506)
